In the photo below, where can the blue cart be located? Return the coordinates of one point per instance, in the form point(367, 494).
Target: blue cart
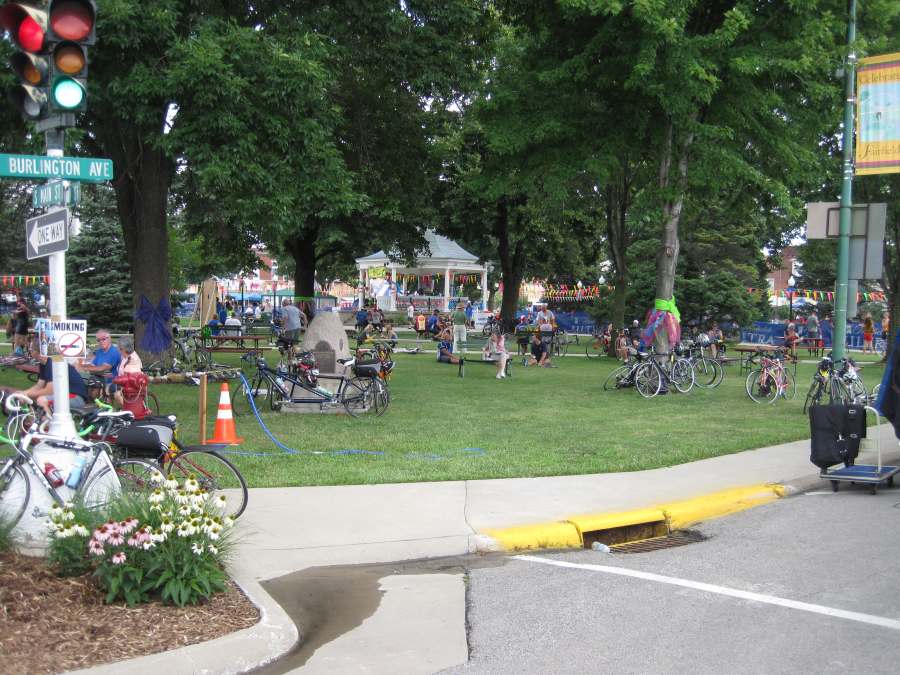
point(871, 475)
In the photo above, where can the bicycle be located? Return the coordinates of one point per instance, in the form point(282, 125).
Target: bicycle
point(93, 489)
point(623, 377)
point(364, 392)
point(559, 345)
point(708, 373)
point(771, 380)
point(597, 346)
point(652, 375)
point(841, 385)
point(155, 440)
point(185, 353)
point(98, 390)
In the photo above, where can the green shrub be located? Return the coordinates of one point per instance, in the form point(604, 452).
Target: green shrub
point(169, 542)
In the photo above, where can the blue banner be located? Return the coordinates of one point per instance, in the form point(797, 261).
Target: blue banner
point(769, 333)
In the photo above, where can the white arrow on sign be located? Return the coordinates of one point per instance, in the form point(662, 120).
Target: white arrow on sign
point(45, 235)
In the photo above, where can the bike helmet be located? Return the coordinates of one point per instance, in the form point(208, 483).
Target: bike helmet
point(703, 340)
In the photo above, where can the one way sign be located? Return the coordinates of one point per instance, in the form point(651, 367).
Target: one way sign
point(47, 234)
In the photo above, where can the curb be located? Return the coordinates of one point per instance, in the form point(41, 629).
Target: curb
point(269, 639)
point(575, 530)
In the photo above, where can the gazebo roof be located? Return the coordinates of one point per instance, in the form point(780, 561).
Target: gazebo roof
point(442, 250)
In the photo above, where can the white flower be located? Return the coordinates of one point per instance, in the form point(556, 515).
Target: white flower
point(69, 515)
point(191, 484)
point(171, 484)
point(184, 511)
point(228, 522)
point(212, 549)
point(148, 545)
point(156, 497)
point(220, 501)
point(81, 530)
point(197, 548)
point(156, 507)
point(167, 525)
point(214, 532)
point(55, 512)
point(156, 477)
point(182, 497)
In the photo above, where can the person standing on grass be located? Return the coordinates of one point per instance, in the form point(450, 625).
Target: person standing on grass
point(868, 335)
point(21, 321)
point(495, 350)
point(411, 315)
point(290, 326)
point(885, 329)
point(459, 321)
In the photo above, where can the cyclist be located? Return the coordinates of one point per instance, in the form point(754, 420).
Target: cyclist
point(42, 392)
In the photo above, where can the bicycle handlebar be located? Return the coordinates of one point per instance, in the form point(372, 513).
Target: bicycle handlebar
point(16, 401)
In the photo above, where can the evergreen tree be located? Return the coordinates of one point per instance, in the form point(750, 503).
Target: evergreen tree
point(97, 273)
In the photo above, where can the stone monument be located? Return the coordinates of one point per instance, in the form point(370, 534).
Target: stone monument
point(327, 340)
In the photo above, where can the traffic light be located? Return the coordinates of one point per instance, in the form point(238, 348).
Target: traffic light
point(27, 28)
point(70, 31)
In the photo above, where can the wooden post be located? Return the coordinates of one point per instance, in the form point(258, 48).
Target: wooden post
point(203, 408)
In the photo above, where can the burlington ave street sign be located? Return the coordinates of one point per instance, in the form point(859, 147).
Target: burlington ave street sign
point(47, 234)
point(85, 169)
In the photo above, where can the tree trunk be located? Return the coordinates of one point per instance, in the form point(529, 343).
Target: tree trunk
point(674, 189)
point(510, 264)
point(302, 248)
point(617, 203)
point(144, 175)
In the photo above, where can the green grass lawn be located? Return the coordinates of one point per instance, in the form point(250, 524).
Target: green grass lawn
point(540, 422)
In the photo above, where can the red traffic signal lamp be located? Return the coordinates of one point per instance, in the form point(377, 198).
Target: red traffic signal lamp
point(27, 28)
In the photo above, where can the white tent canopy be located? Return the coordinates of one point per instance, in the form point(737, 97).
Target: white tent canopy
point(445, 258)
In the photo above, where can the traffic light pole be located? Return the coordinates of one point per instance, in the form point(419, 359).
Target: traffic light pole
point(61, 424)
point(843, 263)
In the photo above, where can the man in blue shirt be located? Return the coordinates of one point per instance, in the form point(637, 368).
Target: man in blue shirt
point(106, 358)
point(42, 392)
point(433, 325)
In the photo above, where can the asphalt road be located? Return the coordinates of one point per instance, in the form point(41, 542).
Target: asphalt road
point(806, 584)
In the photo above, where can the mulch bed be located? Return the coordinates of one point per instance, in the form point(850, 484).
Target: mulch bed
point(50, 624)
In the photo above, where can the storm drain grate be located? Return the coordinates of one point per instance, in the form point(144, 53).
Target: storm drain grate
point(677, 538)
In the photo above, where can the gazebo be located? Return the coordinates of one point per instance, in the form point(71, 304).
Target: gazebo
point(448, 262)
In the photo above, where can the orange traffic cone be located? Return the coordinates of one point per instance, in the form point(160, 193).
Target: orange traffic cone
point(225, 432)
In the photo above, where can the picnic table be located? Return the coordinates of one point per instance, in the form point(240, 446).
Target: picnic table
point(234, 343)
point(746, 352)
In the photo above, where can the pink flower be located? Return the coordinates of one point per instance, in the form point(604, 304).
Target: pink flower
point(118, 559)
point(134, 541)
point(116, 539)
point(112, 525)
point(95, 547)
point(101, 534)
point(143, 535)
point(128, 525)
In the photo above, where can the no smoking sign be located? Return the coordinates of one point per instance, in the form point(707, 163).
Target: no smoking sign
point(70, 344)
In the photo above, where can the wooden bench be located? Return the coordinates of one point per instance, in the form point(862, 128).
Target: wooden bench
point(492, 362)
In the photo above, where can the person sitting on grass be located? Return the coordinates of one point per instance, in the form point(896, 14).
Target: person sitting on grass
point(445, 347)
point(540, 352)
point(389, 335)
point(495, 350)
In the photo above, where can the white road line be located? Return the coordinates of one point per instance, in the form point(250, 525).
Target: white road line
point(893, 624)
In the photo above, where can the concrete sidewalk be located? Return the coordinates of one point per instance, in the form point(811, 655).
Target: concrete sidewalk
point(285, 530)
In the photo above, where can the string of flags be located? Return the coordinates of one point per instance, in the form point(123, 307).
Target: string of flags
point(575, 293)
point(815, 294)
point(23, 279)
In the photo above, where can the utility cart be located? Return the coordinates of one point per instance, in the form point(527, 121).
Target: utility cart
point(871, 475)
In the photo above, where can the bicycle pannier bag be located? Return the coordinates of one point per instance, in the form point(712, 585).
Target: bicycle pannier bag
point(836, 431)
point(144, 441)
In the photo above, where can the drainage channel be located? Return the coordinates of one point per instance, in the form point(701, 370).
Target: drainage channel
point(673, 540)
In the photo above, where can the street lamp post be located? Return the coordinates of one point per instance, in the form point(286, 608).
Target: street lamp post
point(791, 282)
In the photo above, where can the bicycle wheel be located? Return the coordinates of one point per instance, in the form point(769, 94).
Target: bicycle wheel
point(382, 396)
point(814, 395)
point(647, 380)
point(132, 476)
point(358, 396)
point(856, 391)
point(215, 474)
point(275, 397)
point(594, 348)
point(761, 387)
point(561, 343)
point(789, 387)
point(682, 376)
point(152, 402)
point(837, 393)
point(15, 491)
point(240, 404)
point(706, 373)
point(617, 379)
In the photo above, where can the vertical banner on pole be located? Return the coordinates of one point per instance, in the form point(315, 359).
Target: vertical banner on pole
point(878, 115)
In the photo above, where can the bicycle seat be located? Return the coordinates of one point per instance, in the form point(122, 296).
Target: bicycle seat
point(344, 362)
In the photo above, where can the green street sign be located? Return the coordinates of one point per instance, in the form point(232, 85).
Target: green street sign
point(54, 194)
point(85, 169)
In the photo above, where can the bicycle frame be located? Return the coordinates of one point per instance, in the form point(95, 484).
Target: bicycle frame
point(272, 377)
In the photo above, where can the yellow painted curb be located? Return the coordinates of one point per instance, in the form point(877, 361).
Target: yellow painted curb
point(678, 515)
point(543, 535)
point(685, 513)
point(610, 521)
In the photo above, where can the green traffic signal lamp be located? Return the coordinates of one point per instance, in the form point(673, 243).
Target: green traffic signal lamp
point(67, 94)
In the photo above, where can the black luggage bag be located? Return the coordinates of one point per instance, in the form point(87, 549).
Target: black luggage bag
point(836, 431)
